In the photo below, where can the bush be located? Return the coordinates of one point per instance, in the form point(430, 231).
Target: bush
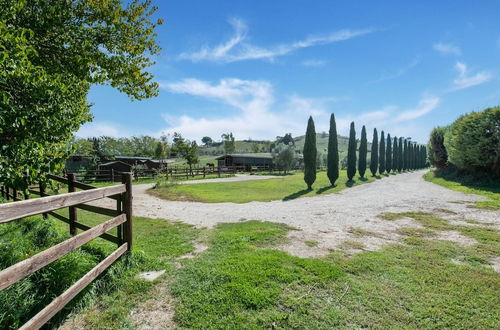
point(437, 154)
point(473, 142)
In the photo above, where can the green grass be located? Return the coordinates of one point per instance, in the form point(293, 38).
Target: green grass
point(156, 243)
point(311, 243)
point(490, 190)
point(284, 188)
point(240, 281)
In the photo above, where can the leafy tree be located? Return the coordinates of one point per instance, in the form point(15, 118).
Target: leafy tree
point(229, 144)
point(284, 157)
point(161, 150)
point(381, 157)
point(363, 150)
point(388, 154)
point(351, 153)
point(287, 139)
point(333, 152)
point(374, 153)
point(207, 141)
point(51, 53)
point(395, 155)
point(186, 149)
point(310, 154)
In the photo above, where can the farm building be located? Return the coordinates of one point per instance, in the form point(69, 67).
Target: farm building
point(78, 162)
point(247, 160)
point(117, 166)
point(155, 164)
point(133, 160)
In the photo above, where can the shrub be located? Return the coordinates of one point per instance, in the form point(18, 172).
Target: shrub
point(351, 153)
point(333, 152)
point(363, 149)
point(473, 142)
point(310, 154)
point(374, 155)
point(381, 151)
point(437, 153)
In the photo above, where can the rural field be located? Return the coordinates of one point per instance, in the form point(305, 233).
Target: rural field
point(249, 165)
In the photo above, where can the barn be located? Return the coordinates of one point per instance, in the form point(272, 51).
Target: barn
point(116, 165)
point(247, 160)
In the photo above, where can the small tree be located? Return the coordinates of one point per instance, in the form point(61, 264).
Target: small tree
point(207, 141)
point(186, 149)
point(310, 153)
point(351, 153)
point(395, 155)
point(333, 152)
point(284, 157)
point(363, 150)
point(374, 153)
point(405, 155)
point(229, 144)
point(381, 153)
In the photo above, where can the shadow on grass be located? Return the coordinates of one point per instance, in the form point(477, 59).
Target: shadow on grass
point(296, 194)
point(350, 183)
point(322, 190)
point(363, 179)
point(377, 176)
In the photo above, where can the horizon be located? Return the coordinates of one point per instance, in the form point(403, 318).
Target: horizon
point(401, 68)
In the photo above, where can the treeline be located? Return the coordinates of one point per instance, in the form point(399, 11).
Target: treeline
point(388, 154)
point(471, 144)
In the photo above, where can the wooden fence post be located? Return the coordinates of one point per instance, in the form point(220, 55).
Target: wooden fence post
point(127, 208)
point(112, 175)
point(15, 194)
point(42, 194)
point(72, 210)
point(7, 192)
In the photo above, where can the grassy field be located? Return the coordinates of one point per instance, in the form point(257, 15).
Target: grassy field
point(284, 188)
point(241, 280)
point(490, 190)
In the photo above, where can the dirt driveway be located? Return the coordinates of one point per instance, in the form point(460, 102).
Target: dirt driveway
point(332, 219)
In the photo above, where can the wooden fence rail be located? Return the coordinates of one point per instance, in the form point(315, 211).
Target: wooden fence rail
point(47, 205)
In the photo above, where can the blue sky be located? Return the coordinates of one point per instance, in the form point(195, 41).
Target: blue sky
point(260, 68)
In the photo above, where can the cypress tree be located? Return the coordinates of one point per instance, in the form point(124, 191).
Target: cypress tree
point(381, 152)
point(363, 149)
point(310, 153)
point(405, 155)
point(395, 155)
point(388, 154)
point(333, 152)
point(374, 156)
point(410, 156)
point(351, 153)
point(400, 152)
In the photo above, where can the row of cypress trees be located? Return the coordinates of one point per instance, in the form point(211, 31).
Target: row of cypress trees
point(387, 154)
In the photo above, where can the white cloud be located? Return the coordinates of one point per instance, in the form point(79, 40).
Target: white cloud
point(314, 63)
point(447, 49)
point(237, 49)
point(465, 81)
point(98, 129)
point(425, 106)
point(257, 116)
point(400, 72)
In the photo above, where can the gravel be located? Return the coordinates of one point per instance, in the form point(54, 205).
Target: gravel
point(329, 219)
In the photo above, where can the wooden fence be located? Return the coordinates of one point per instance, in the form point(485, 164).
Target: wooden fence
point(47, 205)
point(89, 176)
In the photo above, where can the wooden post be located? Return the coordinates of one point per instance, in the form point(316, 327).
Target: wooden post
point(42, 193)
point(6, 192)
point(72, 210)
point(204, 172)
point(15, 194)
point(127, 208)
point(112, 175)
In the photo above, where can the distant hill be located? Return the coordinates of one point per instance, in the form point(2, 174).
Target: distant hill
point(249, 146)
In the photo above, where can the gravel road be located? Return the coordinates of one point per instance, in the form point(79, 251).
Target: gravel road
point(333, 218)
